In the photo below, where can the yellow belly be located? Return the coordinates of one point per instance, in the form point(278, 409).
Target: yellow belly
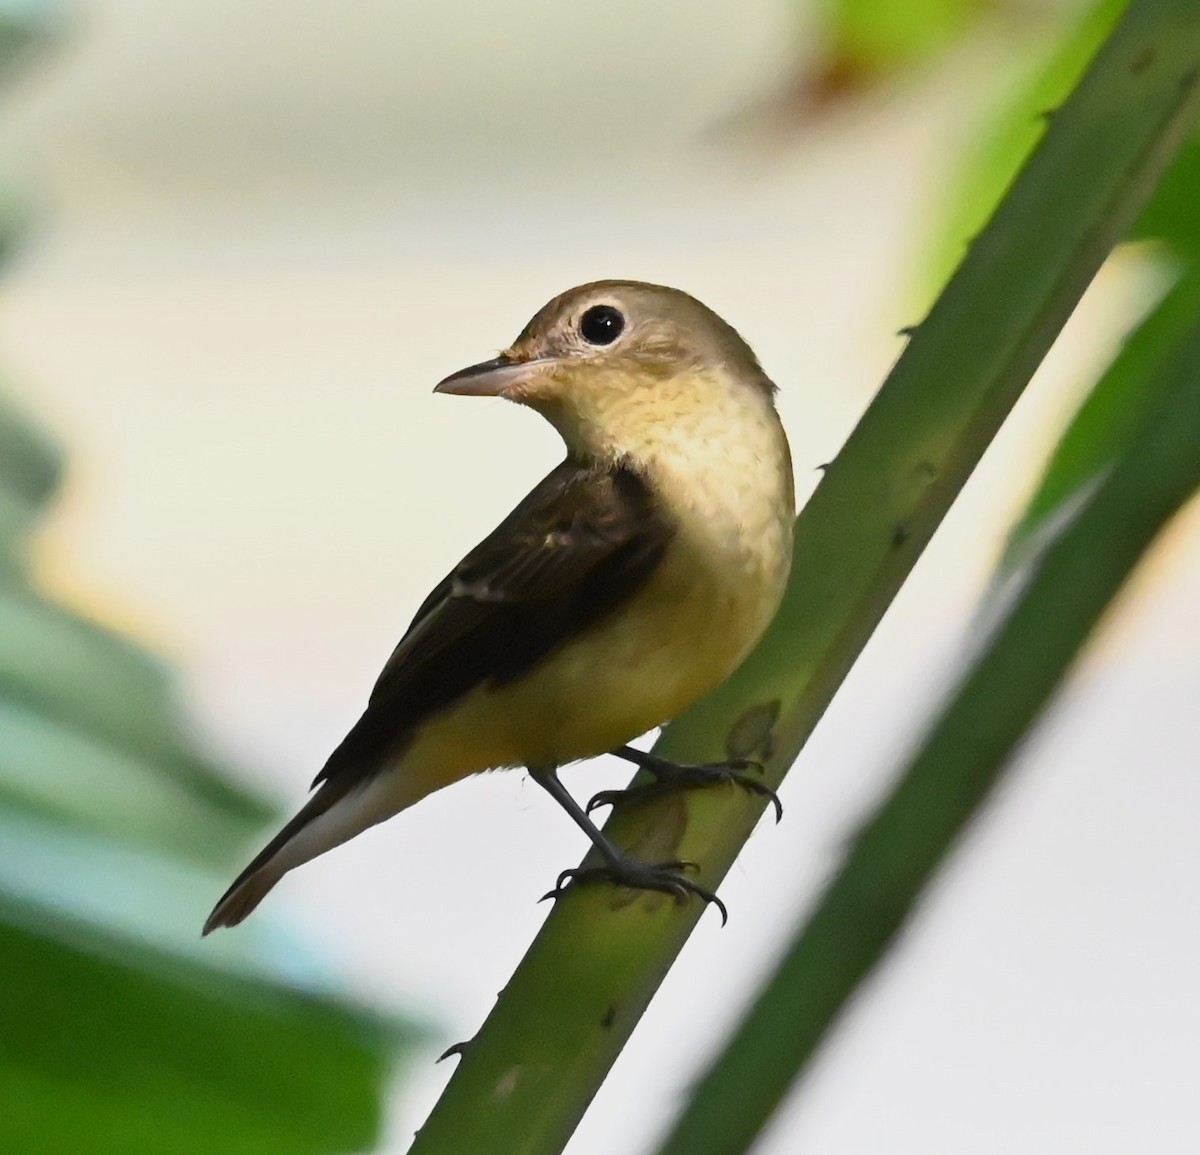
point(680, 636)
point(683, 633)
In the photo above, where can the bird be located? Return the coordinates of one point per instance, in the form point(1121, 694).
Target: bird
point(633, 579)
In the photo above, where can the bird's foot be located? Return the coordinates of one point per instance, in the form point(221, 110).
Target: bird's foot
point(669, 776)
point(665, 877)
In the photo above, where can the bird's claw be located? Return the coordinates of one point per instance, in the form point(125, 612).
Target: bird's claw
point(612, 797)
point(665, 877)
point(670, 776)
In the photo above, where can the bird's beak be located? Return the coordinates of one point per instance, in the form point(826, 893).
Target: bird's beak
point(492, 378)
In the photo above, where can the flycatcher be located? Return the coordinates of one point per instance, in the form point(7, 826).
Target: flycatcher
point(633, 579)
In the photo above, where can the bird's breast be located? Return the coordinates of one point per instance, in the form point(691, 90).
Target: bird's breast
point(689, 625)
point(723, 477)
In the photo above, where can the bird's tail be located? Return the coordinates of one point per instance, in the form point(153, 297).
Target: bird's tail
point(332, 815)
point(242, 897)
point(270, 864)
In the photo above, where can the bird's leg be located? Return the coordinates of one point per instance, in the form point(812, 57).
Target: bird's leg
point(670, 776)
point(619, 867)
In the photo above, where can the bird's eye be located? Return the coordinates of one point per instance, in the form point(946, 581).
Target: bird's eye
point(601, 325)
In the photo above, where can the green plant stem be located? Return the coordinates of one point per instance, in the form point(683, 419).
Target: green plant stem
point(958, 765)
point(525, 1080)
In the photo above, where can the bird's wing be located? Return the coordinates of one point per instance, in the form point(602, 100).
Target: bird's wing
point(571, 552)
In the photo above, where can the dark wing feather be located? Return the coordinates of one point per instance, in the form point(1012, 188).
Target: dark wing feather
point(574, 549)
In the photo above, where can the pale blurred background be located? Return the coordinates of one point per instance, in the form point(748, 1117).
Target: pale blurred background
point(275, 226)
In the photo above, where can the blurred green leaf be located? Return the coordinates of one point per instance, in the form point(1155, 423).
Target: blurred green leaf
point(50, 768)
point(101, 1055)
point(137, 900)
point(16, 515)
point(122, 1031)
point(26, 28)
point(875, 36)
point(860, 42)
point(1012, 130)
point(98, 685)
point(30, 467)
point(1101, 428)
point(30, 462)
point(1173, 216)
point(1003, 144)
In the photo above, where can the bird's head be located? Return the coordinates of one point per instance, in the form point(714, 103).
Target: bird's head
point(609, 363)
